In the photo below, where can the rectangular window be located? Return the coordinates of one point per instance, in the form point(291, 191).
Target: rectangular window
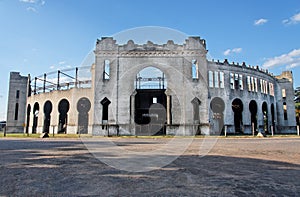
point(231, 80)
point(154, 100)
point(285, 111)
point(255, 85)
point(221, 80)
point(283, 93)
point(211, 79)
point(241, 84)
point(249, 83)
point(195, 69)
point(271, 88)
point(106, 72)
point(216, 79)
point(261, 86)
point(18, 94)
point(16, 111)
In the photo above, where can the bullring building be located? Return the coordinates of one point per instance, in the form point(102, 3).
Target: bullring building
point(153, 89)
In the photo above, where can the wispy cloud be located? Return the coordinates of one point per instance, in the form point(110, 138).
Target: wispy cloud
point(292, 20)
point(34, 4)
point(289, 60)
point(31, 9)
point(260, 21)
point(231, 51)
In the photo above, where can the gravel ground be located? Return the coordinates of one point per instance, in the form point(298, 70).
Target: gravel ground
point(233, 167)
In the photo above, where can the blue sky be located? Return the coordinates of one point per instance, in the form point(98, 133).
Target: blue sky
point(38, 36)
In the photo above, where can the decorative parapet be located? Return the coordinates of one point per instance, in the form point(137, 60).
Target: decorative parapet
point(192, 46)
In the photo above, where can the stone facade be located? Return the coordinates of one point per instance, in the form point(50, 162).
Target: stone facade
point(199, 97)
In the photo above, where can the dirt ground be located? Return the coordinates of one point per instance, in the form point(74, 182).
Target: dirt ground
point(232, 167)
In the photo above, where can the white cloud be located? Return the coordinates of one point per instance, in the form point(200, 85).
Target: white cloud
point(231, 51)
point(32, 9)
point(62, 62)
point(28, 1)
point(260, 21)
point(52, 67)
point(292, 20)
point(290, 60)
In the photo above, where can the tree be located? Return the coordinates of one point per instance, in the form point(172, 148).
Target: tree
point(297, 103)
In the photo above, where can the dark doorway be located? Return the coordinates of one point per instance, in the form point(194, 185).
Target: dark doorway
point(253, 111)
point(36, 109)
point(105, 103)
point(83, 107)
point(63, 108)
point(273, 116)
point(47, 116)
point(28, 118)
point(150, 112)
point(237, 107)
point(265, 117)
point(217, 106)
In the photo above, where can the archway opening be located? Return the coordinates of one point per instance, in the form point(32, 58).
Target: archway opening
point(83, 108)
point(36, 109)
point(28, 118)
point(253, 111)
point(47, 116)
point(150, 102)
point(63, 108)
point(265, 117)
point(217, 106)
point(237, 108)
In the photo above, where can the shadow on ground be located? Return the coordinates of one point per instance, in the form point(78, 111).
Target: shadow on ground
point(65, 168)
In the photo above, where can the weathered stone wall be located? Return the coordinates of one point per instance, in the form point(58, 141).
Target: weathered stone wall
point(16, 83)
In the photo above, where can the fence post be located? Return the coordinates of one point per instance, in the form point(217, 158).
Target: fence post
point(272, 130)
point(225, 130)
point(298, 132)
point(253, 129)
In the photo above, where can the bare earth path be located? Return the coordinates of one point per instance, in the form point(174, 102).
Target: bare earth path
point(233, 167)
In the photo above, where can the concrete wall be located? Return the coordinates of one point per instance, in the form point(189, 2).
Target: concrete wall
point(16, 83)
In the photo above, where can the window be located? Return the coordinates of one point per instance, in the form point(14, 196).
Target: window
point(106, 72)
point(283, 93)
point(18, 94)
point(211, 79)
point(249, 83)
point(261, 86)
point(221, 80)
point(285, 111)
point(195, 69)
point(154, 100)
point(216, 79)
point(241, 85)
point(255, 85)
point(271, 88)
point(231, 80)
point(16, 111)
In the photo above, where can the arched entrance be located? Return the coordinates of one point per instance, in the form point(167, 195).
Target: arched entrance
point(63, 108)
point(237, 108)
point(83, 108)
point(28, 118)
point(47, 116)
point(265, 117)
point(150, 102)
point(36, 109)
point(217, 106)
point(253, 111)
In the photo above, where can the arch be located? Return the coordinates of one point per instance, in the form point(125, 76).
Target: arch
point(253, 112)
point(237, 108)
point(83, 107)
point(47, 116)
point(28, 118)
point(217, 106)
point(63, 108)
point(264, 109)
point(150, 102)
point(150, 78)
point(36, 109)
